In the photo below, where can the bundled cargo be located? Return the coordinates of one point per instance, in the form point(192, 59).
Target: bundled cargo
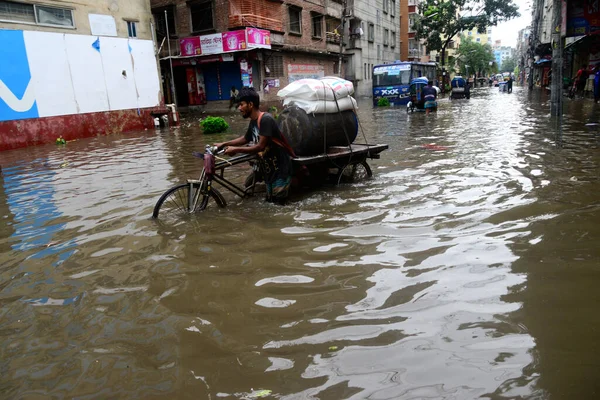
point(326, 95)
point(322, 106)
point(328, 88)
point(312, 134)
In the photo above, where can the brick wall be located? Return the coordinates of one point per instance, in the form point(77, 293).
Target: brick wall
point(304, 41)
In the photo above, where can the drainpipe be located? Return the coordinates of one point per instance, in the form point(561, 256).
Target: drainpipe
point(342, 39)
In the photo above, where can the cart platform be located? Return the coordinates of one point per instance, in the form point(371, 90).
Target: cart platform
point(354, 152)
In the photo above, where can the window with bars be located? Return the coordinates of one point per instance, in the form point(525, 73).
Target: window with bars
point(333, 27)
point(393, 8)
point(317, 25)
point(274, 64)
point(162, 21)
point(295, 16)
point(36, 14)
point(393, 39)
point(202, 16)
point(371, 32)
point(386, 37)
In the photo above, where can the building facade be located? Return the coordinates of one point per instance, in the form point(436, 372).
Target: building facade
point(216, 45)
point(412, 49)
point(75, 69)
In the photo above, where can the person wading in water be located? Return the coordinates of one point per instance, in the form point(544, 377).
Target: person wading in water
point(266, 140)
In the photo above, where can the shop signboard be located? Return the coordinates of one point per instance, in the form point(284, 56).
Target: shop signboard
point(190, 46)
point(258, 38)
point(234, 41)
point(305, 71)
point(583, 17)
point(212, 44)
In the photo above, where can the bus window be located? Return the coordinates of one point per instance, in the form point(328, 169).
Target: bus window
point(393, 75)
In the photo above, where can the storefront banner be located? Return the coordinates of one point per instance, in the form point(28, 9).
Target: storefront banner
point(258, 38)
point(305, 71)
point(212, 44)
point(234, 41)
point(190, 46)
point(583, 17)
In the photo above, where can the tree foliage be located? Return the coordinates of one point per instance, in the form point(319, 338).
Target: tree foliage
point(441, 20)
point(508, 65)
point(476, 55)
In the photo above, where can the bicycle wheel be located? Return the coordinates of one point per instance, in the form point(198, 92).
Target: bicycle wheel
point(177, 200)
point(356, 172)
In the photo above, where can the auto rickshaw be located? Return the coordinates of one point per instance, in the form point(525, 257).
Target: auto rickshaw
point(460, 88)
point(416, 98)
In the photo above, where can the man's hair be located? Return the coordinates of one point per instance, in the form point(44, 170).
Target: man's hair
point(249, 95)
point(430, 83)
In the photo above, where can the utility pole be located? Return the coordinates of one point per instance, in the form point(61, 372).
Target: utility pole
point(556, 86)
point(170, 60)
point(341, 56)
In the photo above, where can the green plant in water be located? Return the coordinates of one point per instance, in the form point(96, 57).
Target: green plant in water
point(214, 125)
point(383, 102)
point(274, 111)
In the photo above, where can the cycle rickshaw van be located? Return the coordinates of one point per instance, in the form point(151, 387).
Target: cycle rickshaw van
point(459, 88)
point(320, 126)
point(417, 102)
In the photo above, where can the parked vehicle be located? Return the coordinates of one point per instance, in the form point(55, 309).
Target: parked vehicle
point(460, 88)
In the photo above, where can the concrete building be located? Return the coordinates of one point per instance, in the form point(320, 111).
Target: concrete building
point(502, 53)
point(75, 69)
point(374, 39)
point(482, 38)
point(412, 49)
point(213, 47)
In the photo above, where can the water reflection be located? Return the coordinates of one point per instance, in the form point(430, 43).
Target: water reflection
point(438, 278)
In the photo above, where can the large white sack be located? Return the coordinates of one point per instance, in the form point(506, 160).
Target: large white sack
point(322, 106)
point(318, 89)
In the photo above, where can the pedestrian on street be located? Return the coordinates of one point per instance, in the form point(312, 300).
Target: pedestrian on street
point(597, 83)
point(509, 83)
point(581, 79)
point(266, 140)
point(430, 96)
point(233, 94)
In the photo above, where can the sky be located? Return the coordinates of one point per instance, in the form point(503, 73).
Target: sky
point(508, 31)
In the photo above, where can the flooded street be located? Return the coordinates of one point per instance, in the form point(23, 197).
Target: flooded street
point(467, 267)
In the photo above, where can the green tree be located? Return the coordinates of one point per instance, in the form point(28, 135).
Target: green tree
point(442, 20)
point(476, 56)
point(508, 65)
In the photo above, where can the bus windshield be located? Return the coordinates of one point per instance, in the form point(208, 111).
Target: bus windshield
point(391, 75)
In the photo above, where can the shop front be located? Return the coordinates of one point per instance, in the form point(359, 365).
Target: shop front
point(210, 65)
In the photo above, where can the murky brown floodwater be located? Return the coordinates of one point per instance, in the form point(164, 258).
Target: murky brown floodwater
point(465, 271)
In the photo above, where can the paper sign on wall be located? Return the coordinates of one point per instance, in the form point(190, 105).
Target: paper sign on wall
point(102, 25)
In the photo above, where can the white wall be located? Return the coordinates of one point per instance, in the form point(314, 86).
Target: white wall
point(70, 76)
